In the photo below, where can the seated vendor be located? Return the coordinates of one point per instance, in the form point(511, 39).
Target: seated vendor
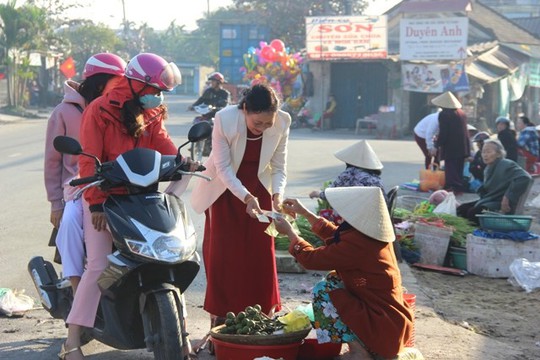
point(504, 184)
point(361, 301)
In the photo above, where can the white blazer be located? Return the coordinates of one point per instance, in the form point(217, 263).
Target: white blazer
point(229, 139)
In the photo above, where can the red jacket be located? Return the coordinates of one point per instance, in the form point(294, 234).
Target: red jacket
point(104, 135)
point(372, 302)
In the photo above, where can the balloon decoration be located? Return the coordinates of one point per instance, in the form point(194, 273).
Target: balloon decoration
point(273, 64)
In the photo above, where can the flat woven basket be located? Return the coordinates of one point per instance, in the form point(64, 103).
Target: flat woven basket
point(277, 339)
point(505, 223)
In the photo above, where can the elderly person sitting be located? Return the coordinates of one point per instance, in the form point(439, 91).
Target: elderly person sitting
point(504, 184)
point(361, 301)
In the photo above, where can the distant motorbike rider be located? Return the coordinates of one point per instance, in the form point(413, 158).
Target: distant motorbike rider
point(215, 95)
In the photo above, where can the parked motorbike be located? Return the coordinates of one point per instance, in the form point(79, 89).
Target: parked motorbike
point(203, 148)
point(155, 261)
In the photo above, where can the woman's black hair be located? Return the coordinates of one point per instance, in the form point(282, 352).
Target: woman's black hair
point(526, 120)
point(258, 99)
point(369, 171)
point(93, 86)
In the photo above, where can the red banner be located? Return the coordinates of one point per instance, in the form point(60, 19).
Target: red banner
point(68, 68)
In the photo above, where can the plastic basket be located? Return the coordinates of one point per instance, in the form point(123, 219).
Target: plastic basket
point(505, 223)
point(274, 339)
point(409, 202)
point(432, 241)
point(229, 351)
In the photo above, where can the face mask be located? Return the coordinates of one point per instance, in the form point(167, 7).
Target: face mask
point(150, 101)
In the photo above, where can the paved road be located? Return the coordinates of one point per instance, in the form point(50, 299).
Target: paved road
point(24, 214)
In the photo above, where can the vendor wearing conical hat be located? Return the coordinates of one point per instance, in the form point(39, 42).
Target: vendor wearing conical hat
point(361, 301)
point(362, 168)
point(453, 140)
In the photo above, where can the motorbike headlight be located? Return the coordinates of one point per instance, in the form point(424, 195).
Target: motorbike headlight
point(176, 246)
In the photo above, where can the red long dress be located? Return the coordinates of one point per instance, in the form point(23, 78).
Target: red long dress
point(238, 255)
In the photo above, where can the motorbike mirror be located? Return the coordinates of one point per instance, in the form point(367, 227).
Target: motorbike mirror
point(200, 131)
point(67, 145)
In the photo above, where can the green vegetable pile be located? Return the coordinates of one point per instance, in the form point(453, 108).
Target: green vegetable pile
point(461, 226)
point(250, 322)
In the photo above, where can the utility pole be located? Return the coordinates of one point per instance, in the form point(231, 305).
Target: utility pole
point(207, 9)
point(124, 20)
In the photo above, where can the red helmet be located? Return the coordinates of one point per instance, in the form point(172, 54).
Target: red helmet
point(153, 70)
point(217, 76)
point(104, 63)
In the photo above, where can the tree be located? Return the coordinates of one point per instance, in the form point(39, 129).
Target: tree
point(286, 18)
point(20, 27)
point(87, 39)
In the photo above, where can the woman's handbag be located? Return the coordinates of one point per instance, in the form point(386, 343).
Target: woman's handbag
point(432, 178)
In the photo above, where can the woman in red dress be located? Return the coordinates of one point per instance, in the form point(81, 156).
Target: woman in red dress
point(248, 168)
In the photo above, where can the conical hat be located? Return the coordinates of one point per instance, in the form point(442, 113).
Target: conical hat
point(446, 100)
point(365, 209)
point(360, 154)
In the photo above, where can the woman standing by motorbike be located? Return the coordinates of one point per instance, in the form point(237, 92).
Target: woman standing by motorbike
point(100, 74)
point(130, 116)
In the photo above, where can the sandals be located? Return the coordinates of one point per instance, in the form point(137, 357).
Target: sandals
point(64, 351)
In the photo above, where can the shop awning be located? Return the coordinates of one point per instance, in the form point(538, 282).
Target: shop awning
point(481, 72)
point(503, 58)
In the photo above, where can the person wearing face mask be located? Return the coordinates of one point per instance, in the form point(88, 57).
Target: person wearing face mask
point(129, 116)
point(248, 168)
point(101, 74)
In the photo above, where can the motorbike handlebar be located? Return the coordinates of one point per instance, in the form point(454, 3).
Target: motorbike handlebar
point(84, 180)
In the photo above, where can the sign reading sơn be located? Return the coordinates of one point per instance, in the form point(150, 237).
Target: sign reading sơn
point(346, 37)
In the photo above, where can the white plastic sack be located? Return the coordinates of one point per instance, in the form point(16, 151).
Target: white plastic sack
point(14, 302)
point(525, 274)
point(447, 206)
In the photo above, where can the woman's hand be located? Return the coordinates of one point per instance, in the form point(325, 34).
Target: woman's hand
point(99, 220)
point(505, 205)
point(56, 216)
point(294, 207)
point(284, 227)
point(314, 194)
point(276, 202)
point(252, 206)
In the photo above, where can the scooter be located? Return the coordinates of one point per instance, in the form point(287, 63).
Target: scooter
point(155, 261)
point(203, 148)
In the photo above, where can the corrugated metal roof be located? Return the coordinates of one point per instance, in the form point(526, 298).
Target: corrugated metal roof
point(532, 24)
point(502, 28)
point(483, 73)
point(503, 58)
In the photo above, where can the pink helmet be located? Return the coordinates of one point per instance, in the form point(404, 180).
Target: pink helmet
point(104, 63)
point(153, 70)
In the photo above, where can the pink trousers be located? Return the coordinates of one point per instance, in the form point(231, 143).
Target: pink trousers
point(98, 246)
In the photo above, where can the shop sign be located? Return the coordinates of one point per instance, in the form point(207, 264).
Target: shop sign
point(534, 73)
point(433, 39)
point(434, 78)
point(346, 37)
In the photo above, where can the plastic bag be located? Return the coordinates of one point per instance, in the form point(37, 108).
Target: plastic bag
point(296, 320)
point(14, 303)
point(525, 274)
point(447, 206)
point(431, 179)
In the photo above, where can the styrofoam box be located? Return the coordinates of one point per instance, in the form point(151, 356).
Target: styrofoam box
point(492, 257)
